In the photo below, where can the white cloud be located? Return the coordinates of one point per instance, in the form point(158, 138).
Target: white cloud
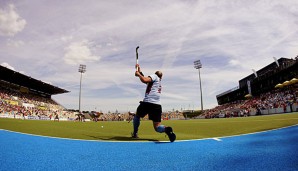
point(66, 38)
point(10, 21)
point(15, 43)
point(7, 66)
point(234, 62)
point(79, 53)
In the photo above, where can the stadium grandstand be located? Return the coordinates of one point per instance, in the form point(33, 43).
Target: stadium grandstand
point(272, 89)
point(262, 81)
point(22, 96)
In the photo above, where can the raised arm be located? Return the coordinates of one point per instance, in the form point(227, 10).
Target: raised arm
point(141, 75)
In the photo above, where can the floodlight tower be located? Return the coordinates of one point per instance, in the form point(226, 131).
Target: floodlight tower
point(198, 66)
point(82, 69)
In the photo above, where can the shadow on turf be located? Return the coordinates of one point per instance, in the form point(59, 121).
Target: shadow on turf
point(118, 138)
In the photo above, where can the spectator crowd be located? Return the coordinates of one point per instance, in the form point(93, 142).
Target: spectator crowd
point(15, 104)
point(278, 98)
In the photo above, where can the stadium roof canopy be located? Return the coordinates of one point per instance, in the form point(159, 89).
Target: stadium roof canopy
point(19, 79)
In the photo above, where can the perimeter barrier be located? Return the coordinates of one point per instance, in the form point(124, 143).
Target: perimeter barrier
point(288, 109)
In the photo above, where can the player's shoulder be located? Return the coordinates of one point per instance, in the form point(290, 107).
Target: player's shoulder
point(154, 77)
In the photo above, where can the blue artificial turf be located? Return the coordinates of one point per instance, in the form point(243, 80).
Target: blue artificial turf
point(272, 150)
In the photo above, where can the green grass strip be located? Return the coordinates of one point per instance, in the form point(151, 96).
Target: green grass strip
point(120, 130)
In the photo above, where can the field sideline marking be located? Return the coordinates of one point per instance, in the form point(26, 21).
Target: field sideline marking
point(212, 138)
point(260, 120)
point(217, 139)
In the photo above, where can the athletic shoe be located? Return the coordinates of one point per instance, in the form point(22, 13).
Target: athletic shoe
point(170, 133)
point(134, 135)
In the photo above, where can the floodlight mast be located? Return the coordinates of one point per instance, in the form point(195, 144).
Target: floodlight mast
point(82, 69)
point(198, 66)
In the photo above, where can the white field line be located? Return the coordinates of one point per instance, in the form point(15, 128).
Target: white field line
point(216, 139)
point(260, 120)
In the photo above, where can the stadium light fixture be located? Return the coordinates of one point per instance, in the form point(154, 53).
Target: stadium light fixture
point(82, 69)
point(198, 66)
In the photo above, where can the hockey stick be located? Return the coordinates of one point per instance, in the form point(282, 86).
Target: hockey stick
point(137, 58)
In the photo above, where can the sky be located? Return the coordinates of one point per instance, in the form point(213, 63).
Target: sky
point(48, 40)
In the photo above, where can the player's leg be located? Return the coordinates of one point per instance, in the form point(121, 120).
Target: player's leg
point(155, 116)
point(168, 130)
point(136, 123)
point(158, 127)
point(141, 112)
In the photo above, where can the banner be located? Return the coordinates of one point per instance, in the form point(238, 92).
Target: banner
point(38, 117)
point(42, 108)
point(28, 105)
point(12, 102)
